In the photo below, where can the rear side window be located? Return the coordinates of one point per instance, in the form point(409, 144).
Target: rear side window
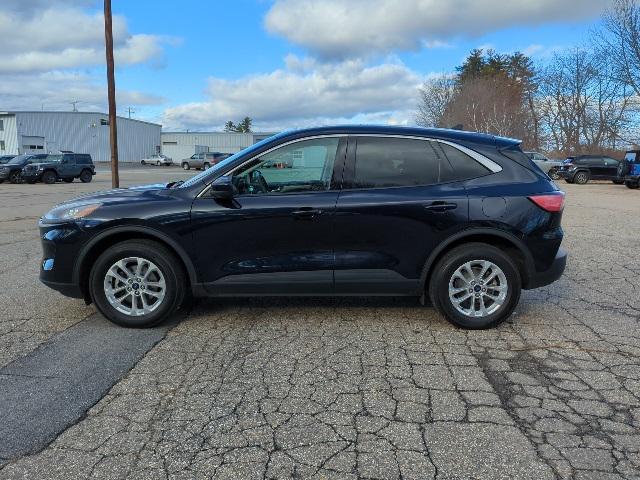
point(464, 167)
point(395, 162)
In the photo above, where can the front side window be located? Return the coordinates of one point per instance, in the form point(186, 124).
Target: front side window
point(395, 162)
point(298, 167)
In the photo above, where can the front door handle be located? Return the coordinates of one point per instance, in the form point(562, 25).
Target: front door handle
point(306, 213)
point(440, 206)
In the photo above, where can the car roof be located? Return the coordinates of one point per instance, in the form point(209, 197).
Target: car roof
point(438, 133)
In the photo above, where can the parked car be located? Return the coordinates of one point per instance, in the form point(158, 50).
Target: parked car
point(203, 160)
point(548, 166)
point(582, 168)
point(157, 160)
point(464, 218)
point(5, 158)
point(12, 170)
point(60, 166)
point(629, 169)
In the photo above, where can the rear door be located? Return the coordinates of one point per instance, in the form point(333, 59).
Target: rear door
point(610, 167)
point(398, 202)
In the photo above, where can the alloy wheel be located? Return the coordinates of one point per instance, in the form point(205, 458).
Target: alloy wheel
point(134, 286)
point(478, 288)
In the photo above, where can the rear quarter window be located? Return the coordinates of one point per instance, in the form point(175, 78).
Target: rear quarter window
point(463, 167)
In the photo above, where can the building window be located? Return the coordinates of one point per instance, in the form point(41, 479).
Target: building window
point(1, 143)
point(169, 143)
point(1, 125)
point(34, 147)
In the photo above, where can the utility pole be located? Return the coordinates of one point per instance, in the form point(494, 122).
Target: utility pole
point(130, 111)
point(74, 105)
point(111, 88)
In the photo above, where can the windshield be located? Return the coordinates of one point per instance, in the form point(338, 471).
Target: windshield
point(631, 157)
point(18, 160)
point(211, 172)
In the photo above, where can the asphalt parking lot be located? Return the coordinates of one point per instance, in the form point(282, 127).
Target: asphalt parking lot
point(332, 388)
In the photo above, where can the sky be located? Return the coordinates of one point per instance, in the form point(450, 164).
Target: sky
point(194, 64)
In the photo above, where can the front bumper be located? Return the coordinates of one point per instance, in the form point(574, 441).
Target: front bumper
point(60, 246)
point(540, 279)
point(4, 175)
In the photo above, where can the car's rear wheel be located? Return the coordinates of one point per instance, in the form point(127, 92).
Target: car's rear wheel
point(137, 283)
point(581, 178)
point(15, 177)
point(85, 176)
point(49, 177)
point(475, 286)
point(554, 174)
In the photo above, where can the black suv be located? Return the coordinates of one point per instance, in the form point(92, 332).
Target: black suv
point(61, 166)
point(582, 168)
point(12, 170)
point(464, 218)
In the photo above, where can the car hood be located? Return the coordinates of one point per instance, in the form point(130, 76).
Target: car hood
point(116, 195)
point(42, 164)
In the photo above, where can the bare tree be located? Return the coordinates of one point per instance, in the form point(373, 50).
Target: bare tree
point(434, 98)
point(620, 41)
point(582, 107)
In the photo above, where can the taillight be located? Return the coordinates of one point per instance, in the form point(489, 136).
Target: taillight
point(551, 202)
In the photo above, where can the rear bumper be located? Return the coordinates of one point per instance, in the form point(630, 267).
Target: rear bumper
point(540, 279)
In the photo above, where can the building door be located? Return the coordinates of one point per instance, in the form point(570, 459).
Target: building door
point(32, 144)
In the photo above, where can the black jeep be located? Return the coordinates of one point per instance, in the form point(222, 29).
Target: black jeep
point(61, 166)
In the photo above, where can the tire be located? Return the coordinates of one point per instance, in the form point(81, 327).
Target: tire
point(85, 176)
point(554, 174)
point(15, 177)
point(631, 185)
point(207, 166)
point(186, 166)
point(1, 180)
point(68, 180)
point(157, 164)
point(49, 177)
point(164, 261)
point(581, 177)
point(142, 162)
point(443, 276)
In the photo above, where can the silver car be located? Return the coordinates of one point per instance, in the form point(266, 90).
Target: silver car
point(203, 160)
point(548, 166)
point(157, 160)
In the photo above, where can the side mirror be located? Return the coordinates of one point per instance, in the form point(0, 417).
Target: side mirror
point(222, 188)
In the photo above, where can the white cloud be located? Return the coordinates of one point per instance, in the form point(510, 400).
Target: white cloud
point(53, 50)
point(351, 28)
point(305, 92)
point(67, 38)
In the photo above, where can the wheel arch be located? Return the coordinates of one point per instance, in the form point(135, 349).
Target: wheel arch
point(504, 240)
point(92, 250)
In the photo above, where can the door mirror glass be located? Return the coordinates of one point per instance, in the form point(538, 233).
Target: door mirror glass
point(222, 188)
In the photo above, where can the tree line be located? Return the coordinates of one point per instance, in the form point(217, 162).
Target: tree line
point(581, 100)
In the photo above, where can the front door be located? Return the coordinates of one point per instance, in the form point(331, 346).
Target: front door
point(276, 235)
point(399, 200)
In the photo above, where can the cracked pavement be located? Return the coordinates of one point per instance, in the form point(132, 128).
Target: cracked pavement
point(363, 388)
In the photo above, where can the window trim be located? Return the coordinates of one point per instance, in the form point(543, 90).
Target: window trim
point(297, 140)
point(492, 166)
point(489, 164)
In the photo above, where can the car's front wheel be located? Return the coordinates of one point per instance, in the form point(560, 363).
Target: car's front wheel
point(632, 185)
point(581, 178)
point(475, 286)
point(137, 283)
point(554, 174)
point(86, 176)
point(186, 166)
point(15, 177)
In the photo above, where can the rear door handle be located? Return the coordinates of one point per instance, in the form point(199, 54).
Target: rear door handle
point(440, 206)
point(306, 213)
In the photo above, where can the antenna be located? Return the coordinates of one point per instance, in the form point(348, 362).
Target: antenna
point(75, 103)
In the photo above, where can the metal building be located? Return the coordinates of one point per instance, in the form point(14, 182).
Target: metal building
point(80, 132)
point(179, 145)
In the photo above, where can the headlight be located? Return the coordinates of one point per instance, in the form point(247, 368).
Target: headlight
point(71, 211)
